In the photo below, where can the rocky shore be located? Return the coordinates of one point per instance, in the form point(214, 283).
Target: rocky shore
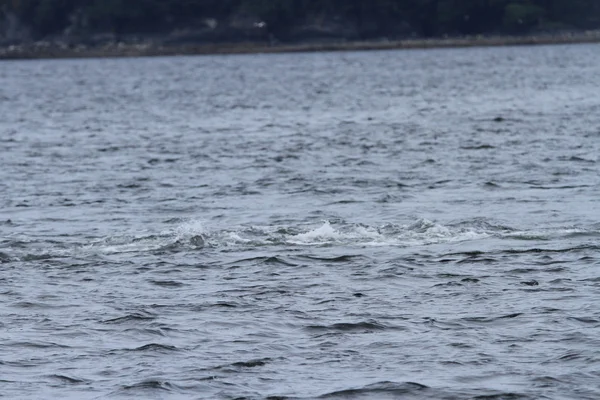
point(154, 47)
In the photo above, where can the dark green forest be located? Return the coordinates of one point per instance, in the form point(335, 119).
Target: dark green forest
point(288, 20)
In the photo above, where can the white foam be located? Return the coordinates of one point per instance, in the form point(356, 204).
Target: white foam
point(234, 238)
point(425, 232)
point(124, 244)
point(323, 234)
point(190, 228)
point(422, 232)
point(546, 234)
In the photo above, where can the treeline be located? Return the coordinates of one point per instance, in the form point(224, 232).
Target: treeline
point(353, 19)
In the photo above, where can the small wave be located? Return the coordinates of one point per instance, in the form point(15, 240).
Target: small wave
point(491, 319)
point(167, 284)
point(252, 363)
point(577, 159)
point(38, 345)
point(479, 147)
point(573, 356)
point(476, 260)
point(343, 258)
point(380, 390)
point(38, 257)
point(150, 384)
point(491, 256)
point(503, 396)
point(275, 260)
point(585, 320)
point(544, 250)
point(32, 304)
point(68, 379)
point(5, 258)
point(365, 326)
point(236, 366)
point(155, 347)
point(145, 331)
point(224, 304)
point(134, 317)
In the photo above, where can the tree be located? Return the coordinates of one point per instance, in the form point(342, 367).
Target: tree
point(367, 19)
point(522, 17)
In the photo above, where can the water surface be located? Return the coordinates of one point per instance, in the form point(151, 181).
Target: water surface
point(402, 224)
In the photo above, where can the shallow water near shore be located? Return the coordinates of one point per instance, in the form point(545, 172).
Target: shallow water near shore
point(371, 225)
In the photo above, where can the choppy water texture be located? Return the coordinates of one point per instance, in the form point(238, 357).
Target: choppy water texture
point(377, 225)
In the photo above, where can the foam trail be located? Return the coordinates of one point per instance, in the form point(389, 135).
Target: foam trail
point(195, 235)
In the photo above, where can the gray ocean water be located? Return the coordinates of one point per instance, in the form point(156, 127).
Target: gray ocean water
point(418, 224)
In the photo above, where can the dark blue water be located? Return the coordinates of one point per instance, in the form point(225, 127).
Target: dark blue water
point(374, 225)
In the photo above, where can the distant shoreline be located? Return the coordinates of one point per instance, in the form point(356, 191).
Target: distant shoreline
point(56, 50)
